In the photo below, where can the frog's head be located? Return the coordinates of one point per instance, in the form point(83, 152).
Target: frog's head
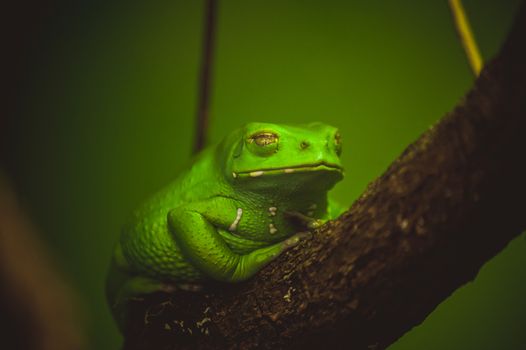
point(259, 156)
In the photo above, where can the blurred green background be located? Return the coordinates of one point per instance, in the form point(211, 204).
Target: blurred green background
point(106, 117)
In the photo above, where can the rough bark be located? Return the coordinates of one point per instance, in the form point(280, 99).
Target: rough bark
point(447, 205)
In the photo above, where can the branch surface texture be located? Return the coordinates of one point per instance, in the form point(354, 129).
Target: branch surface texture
point(447, 205)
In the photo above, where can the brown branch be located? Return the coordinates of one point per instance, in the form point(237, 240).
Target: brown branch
point(39, 310)
point(205, 83)
point(447, 205)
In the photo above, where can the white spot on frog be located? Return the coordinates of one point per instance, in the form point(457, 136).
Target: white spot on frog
point(272, 229)
point(256, 173)
point(233, 226)
point(288, 171)
point(272, 211)
point(234, 175)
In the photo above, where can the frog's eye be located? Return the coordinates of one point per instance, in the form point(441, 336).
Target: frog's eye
point(263, 143)
point(264, 138)
point(338, 143)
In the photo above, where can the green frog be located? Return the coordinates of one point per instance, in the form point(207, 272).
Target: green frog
point(240, 204)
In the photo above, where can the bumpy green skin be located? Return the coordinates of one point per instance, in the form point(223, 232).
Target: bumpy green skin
point(240, 204)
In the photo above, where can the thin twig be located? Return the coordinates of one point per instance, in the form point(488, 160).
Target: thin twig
point(205, 84)
point(466, 36)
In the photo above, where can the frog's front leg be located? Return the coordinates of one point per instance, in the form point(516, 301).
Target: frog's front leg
point(203, 246)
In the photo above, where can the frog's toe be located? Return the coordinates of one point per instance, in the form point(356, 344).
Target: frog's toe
point(297, 238)
point(303, 235)
point(315, 224)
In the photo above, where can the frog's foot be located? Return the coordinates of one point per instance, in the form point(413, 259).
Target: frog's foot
point(307, 221)
point(316, 223)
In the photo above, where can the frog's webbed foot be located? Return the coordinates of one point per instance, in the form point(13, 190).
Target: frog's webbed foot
point(307, 221)
point(316, 223)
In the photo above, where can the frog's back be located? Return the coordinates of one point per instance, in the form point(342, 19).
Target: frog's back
point(146, 241)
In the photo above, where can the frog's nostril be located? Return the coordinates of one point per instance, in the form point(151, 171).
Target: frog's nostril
point(304, 144)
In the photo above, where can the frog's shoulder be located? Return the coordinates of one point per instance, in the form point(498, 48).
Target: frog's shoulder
point(203, 179)
point(199, 180)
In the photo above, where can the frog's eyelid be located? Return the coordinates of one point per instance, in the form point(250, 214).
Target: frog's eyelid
point(262, 132)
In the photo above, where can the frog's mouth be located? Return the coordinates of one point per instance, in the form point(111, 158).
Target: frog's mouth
point(303, 168)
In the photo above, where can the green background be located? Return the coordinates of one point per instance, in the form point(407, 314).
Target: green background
point(106, 117)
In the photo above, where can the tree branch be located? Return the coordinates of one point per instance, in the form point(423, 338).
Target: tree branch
point(447, 205)
point(39, 309)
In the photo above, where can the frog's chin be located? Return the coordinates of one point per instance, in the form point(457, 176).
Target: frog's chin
point(298, 169)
